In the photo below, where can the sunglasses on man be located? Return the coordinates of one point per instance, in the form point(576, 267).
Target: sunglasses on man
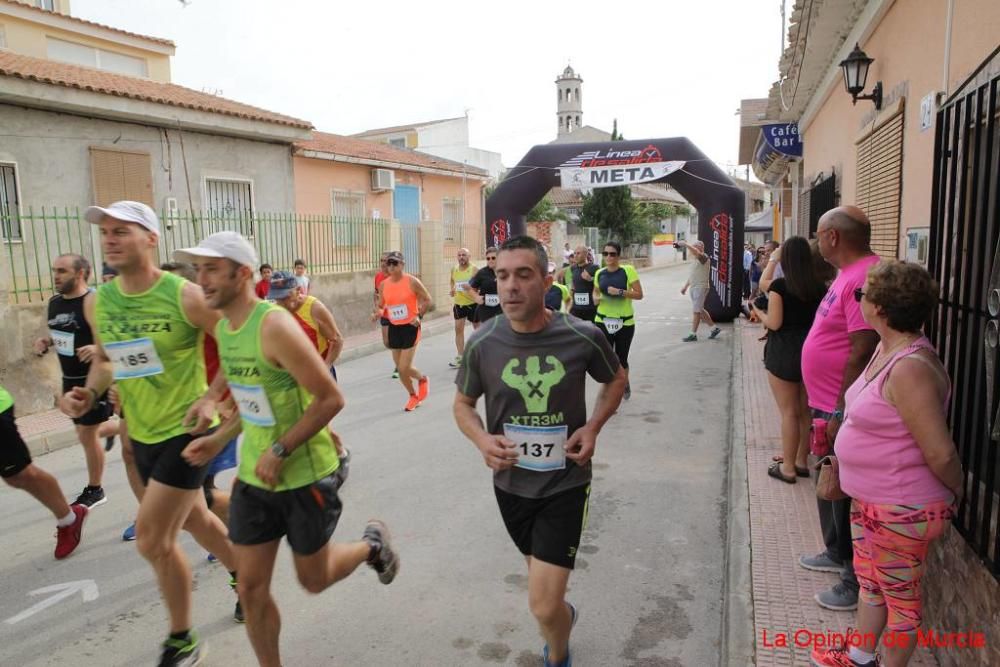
point(858, 293)
point(607, 253)
point(392, 262)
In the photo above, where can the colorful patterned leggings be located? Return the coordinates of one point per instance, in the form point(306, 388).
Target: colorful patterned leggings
point(890, 547)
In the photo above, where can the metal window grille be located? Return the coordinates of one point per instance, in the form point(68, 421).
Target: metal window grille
point(964, 258)
point(452, 218)
point(229, 204)
point(347, 207)
point(10, 219)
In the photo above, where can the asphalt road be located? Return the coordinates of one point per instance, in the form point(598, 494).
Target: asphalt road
point(649, 580)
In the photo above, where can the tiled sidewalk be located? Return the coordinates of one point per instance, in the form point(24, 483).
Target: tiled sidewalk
point(783, 525)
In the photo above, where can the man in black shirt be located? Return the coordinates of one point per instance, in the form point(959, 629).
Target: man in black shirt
point(579, 277)
point(73, 341)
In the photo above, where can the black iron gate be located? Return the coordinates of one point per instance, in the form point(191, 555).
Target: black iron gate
point(965, 259)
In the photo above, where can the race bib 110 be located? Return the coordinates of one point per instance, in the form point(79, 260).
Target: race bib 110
point(539, 448)
point(612, 324)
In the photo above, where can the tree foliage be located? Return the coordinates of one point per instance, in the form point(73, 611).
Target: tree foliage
point(546, 211)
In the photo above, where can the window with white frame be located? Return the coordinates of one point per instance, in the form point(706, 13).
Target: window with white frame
point(229, 204)
point(10, 206)
point(89, 56)
point(451, 216)
point(348, 214)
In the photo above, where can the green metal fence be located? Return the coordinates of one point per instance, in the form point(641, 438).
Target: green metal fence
point(326, 244)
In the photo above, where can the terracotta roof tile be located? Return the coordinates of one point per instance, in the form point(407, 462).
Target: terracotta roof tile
point(158, 40)
point(85, 78)
point(337, 144)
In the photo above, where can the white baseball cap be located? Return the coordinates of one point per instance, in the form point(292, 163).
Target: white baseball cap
point(228, 245)
point(127, 211)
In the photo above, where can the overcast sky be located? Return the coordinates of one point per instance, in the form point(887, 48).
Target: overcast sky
point(663, 68)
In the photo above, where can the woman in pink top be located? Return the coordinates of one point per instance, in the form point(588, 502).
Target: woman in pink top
point(897, 461)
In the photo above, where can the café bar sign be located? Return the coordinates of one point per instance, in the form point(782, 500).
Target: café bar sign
point(779, 141)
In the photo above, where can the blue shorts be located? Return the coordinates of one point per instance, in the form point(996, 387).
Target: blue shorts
point(224, 460)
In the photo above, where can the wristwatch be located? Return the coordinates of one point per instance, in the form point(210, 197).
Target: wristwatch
point(279, 450)
point(838, 414)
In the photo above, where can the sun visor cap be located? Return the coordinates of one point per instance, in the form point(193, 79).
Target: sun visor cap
point(228, 245)
point(126, 211)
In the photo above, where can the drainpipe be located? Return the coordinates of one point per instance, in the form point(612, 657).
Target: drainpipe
point(947, 48)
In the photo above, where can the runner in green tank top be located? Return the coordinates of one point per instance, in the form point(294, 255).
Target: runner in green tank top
point(286, 483)
point(146, 327)
point(464, 307)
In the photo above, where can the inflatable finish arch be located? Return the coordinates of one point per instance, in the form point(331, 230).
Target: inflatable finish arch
point(719, 202)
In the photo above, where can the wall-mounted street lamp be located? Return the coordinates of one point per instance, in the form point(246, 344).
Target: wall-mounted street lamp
point(855, 68)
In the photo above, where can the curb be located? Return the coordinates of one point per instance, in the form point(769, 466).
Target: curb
point(737, 632)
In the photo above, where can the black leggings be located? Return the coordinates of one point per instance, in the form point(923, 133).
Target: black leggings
point(621, 341)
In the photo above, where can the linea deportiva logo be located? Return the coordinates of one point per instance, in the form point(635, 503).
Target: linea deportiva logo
point(612, 156)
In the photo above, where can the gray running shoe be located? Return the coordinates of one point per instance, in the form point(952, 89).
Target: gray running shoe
point(821, 562)
point(385, 560)
point(839, 598)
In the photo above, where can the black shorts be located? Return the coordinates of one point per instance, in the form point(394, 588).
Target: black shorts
point(163, 462)
point(464, 312)
point(548, 529)
point(487, 313)
point(384, 321)
point(14, 454)
point(402, 336)
point(307, 515)
point(100, 413)
point(621, 341)
point(585, 313)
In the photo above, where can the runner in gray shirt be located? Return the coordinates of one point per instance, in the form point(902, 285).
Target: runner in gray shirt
point(531, 365)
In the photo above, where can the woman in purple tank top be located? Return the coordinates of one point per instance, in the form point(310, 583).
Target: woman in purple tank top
point(898, 462)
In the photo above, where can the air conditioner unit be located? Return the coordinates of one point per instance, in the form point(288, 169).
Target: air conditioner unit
point(170, 211)
point(383, 179)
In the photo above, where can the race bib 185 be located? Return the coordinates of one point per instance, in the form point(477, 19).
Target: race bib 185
point(539, 448)
point(135, 358)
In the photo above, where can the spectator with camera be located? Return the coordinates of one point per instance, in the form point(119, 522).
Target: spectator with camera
point(699, 283)
point(787, 312)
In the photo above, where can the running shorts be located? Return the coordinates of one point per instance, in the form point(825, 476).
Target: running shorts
point(402, 336)
point(464, 312)
point(384, 321)
point(163, 462)
point(698, 296)
point(14, 454)
point(307, 515)
point(583, 313)
point(548, 529)
point(100, 413)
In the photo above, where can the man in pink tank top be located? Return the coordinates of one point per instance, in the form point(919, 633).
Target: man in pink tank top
point(838, 347)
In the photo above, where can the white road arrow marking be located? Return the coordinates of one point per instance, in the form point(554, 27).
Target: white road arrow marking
point(87, 587)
